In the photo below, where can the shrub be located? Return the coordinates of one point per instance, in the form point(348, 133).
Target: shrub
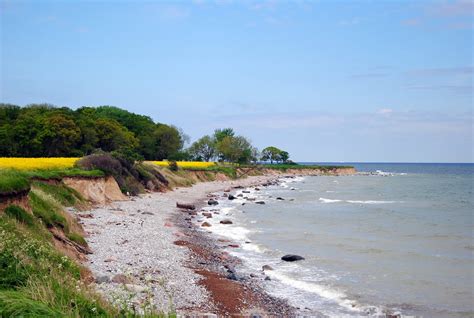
point(173, 165)
point(19, 214)
point(102, 161)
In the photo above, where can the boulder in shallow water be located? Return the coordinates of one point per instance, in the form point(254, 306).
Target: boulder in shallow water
point(226, 221)
point(231, 197)
point(212, 202)
point(280, 198)
point(292, 258)
point(267, 268)
point(205, 224)
point(259, 202)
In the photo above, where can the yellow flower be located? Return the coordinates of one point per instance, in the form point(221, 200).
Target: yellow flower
point(36, 163)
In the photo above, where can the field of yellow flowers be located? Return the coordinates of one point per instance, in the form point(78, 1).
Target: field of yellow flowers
point(186, 164)
point(37, 163)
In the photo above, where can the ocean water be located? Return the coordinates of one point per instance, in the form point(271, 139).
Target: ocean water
point(398, 241)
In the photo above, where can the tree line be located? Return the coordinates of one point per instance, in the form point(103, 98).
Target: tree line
point(43, 130)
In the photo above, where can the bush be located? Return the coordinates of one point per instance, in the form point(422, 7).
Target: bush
point(19, 214)
point(173, 165)
point(102, 161)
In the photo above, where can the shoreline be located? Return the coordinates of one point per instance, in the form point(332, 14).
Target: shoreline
point(147, 248)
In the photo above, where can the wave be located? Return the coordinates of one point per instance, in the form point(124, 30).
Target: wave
point(324, 200)
point(322, 291)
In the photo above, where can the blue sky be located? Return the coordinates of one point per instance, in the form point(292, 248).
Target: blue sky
point(325, 80)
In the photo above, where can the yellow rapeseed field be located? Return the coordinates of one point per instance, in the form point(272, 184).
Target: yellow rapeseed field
point(36, 163)
point(187, 164)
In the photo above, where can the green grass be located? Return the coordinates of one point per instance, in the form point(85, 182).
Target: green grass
point(45, 210)
point(19, 214)
point(13, 181)
point(77, 238)
point(64, 194)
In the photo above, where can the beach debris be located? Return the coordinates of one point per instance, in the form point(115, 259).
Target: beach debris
point(110, 259)
point(259, 202)
point(206, 224)
point(226, 221)
point(234, 245)
point(292, 258)
point(212, 202)
point(267, 268)
point(185, 206)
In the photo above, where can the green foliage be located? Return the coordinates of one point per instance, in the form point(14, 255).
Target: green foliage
point(274, 154)
point(43, 130)
point(13, 181)
point(19, 214)
point(204, 149)
point(38, 281)
point(45, 210)
point(17, 304)
point(173, 166)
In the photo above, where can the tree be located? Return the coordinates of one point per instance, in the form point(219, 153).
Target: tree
point(271, 154)
point(284, 156)
point(220, 134)
point(167, 140)
point(59, 136)
point(204, 149)
point(235, 149)
point(113, 136)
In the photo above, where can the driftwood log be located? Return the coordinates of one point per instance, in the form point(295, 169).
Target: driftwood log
point(185, 206)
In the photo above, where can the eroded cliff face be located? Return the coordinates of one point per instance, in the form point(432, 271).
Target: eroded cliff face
point(19, 198)
point(96, 190)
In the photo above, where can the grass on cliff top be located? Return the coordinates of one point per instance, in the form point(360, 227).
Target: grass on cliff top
point(12, 180)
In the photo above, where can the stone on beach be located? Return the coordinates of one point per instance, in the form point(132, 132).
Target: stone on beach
point(185, 206)
point(206, 224)
point(267, 268)
point(292, 258)
point(226, 221)
point(212, 202)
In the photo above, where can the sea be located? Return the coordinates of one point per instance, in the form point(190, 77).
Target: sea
point(394, 239)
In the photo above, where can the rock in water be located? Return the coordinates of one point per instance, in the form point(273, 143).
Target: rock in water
point(206, 224)
point(231, 197)
point(292, 258)
point(212, 202)
point(267, 268)
point(226, 221)
point(260, 202)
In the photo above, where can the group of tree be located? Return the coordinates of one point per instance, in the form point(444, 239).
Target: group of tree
point(225, 145)
point(42, 130)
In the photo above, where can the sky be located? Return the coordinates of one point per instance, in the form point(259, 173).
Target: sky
point(328, 81)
